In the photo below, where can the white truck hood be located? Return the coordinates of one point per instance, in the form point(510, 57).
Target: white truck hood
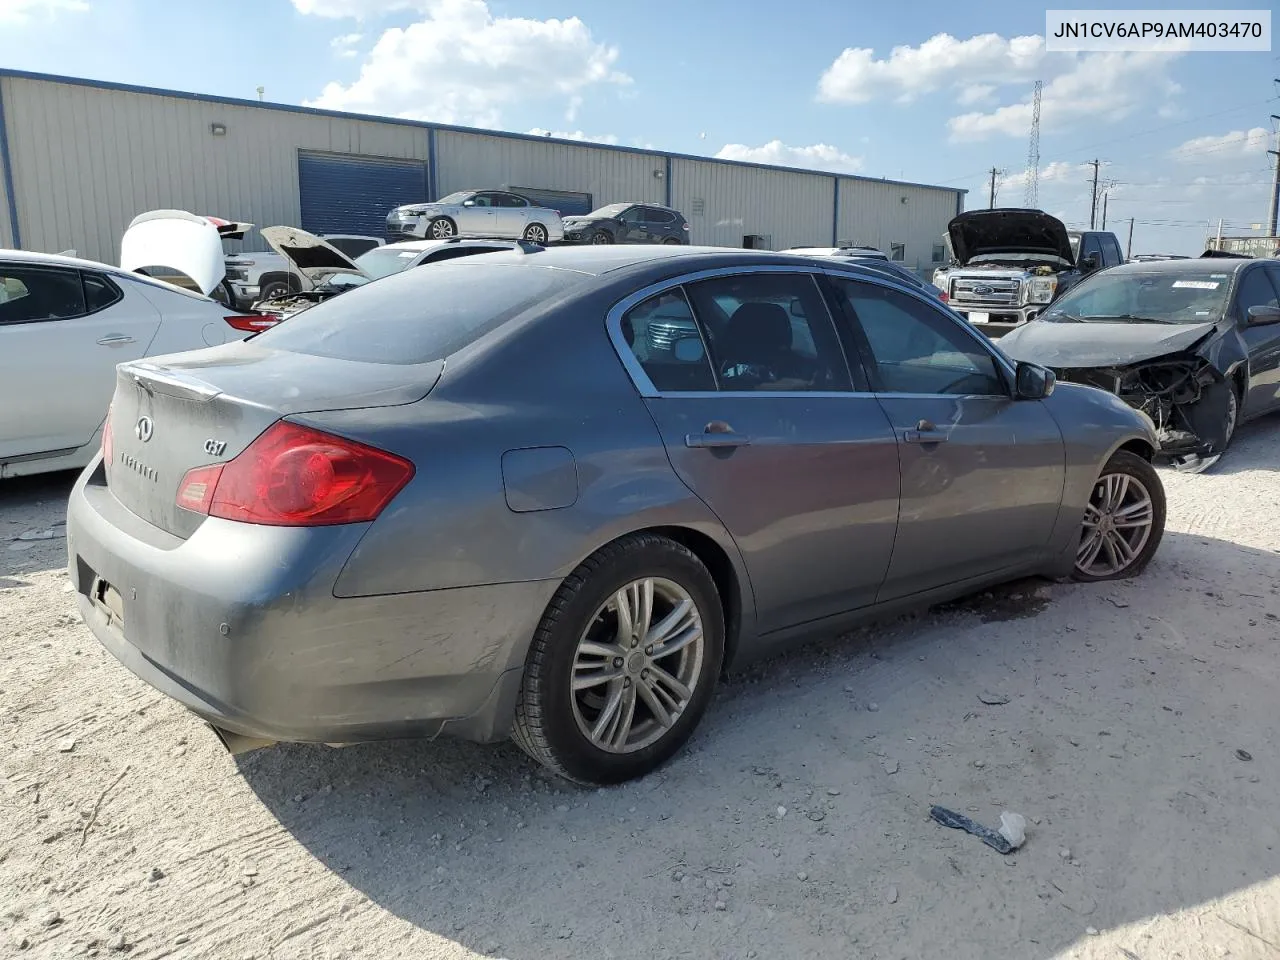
point(311, 257)
point(161, 243)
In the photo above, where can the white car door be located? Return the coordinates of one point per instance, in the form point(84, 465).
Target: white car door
point(62, 332)
point(476, 216)
point(512, 215)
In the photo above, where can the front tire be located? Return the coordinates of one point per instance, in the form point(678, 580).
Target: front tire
point(623, 664)
point(602, 237)
point(1123, 521)
point(272, 289)
point(536, 233)
point(441, 228)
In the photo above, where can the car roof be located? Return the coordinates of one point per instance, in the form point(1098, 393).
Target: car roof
point(601, 259)
point(1193, 265)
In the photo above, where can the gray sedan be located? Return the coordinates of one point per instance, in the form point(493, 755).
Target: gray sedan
point(490, 502)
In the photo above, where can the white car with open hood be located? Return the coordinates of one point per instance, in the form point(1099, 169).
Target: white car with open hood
point(65, 323)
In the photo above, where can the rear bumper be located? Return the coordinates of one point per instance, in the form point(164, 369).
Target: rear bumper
point(240, 625)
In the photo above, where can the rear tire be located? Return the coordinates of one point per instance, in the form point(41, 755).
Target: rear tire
point(590, 656)
point(441, 228)
point(1123, 522)
point(671, 242)
point(536, 233)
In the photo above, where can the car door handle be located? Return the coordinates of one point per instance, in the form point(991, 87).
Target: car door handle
point(717, 434)
point(925, 432)
point(115, 340)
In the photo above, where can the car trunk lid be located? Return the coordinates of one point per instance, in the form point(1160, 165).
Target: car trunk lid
point(176, 246)
point(170, 415)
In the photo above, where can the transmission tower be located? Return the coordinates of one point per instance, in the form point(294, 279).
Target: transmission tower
point(1031, 197)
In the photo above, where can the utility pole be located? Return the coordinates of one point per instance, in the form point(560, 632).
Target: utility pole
point(1128, 250)
point(1275, 184)
point(1093, 203)
point(1105, 194)
point(992, 201)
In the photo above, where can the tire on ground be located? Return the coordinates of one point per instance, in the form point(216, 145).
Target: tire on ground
point(1130, 464)
point(545, 727)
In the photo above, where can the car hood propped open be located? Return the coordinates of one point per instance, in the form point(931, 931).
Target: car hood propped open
point(177, 246)
point(1081, 346)
point(311, 257)
point(980, 232)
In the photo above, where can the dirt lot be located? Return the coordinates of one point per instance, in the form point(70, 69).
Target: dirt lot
point(795, 826)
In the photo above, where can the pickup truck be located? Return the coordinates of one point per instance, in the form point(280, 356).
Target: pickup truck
point(1009, 264)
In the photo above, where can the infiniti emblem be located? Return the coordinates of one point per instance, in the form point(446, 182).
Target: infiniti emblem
point(144, 429)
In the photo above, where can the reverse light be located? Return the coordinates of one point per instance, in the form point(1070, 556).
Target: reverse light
point(251, 322)
point(295, 476)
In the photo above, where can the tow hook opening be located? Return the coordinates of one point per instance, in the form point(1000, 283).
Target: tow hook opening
point(238, 743)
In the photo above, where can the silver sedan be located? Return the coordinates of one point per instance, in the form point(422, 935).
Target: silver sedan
point(553, 495)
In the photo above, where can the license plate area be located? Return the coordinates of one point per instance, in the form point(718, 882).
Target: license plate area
point(975, 317)
point(108, 600)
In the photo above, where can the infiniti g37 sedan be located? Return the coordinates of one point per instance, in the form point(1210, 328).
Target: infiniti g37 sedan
point(487, 502)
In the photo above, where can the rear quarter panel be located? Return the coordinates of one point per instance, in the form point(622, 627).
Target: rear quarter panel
point(556, 382)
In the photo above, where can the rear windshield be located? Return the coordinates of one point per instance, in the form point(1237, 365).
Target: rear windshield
point(420, 315)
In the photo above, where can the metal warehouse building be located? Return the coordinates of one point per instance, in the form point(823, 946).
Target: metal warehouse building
point(79, 159)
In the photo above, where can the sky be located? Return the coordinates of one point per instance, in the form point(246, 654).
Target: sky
point(939, 92)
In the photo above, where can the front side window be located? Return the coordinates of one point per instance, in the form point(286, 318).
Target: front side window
point(916, 348)
point(769, 332)
point(1255, 291)
point(30, 294)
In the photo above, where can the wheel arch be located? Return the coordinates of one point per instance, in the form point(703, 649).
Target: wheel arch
point(272, 276)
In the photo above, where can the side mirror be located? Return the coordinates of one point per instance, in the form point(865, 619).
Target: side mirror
point(689, 350)
point(1034, 382)
point(1263, 316)
point(1089, 263)
point(468, 203)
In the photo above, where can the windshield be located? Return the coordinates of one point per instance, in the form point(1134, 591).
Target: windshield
point(393, 321)
point(456, 197)
point(1166, 296)
point(609, 210)
point(384, 261)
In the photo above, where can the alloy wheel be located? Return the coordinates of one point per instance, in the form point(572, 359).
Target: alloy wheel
point(441, 230)
point(637, 665)
point(1117, 525)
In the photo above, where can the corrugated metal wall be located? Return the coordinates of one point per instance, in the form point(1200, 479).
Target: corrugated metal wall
point(882, 214)
point(6, 228)
point(466, 160)
point(87, 161)
point(725, 203)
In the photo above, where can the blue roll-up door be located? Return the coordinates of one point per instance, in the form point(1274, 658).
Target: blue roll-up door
point(342, 193)
point(568, 202)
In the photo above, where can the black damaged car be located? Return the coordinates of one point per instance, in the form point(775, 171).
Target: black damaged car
point(1194, 344)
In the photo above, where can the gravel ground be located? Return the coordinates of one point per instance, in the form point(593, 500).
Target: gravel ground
point(1137, 740)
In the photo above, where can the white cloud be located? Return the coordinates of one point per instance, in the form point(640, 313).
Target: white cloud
point(1057, 171)
point(355, 9)
point(976, 93)
point(1233, 145)
point(857, 76)
point(461, 64)
point(573, 135)
point(1100, 87)
point(345, 45)
point(820, 156)
point(24, 11)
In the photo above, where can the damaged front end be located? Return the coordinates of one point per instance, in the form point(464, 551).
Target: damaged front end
point(1190, 402)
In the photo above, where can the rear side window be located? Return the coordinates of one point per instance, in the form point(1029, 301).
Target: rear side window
point(419, 315)
point(34, 294)
point(658, 216)
point(99, 292)
point(665, 339)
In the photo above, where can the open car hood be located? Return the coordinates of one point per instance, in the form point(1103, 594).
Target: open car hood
point(979, 232)
point(176, 246)
point(1078, 346)
point(311, 257)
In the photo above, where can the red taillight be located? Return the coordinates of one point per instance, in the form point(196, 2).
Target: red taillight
point(252, 322)
point(107, 448)
point(943, 296)
point(294, 476)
